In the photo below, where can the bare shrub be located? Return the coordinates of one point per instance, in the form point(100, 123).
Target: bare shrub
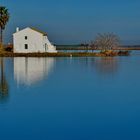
point(106, 41)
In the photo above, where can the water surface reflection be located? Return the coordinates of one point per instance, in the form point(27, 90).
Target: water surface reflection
point(79, 100)
point(106, 65)
point(28, 71)
point(3, 82)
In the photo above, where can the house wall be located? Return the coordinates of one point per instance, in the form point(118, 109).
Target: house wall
point(48, 46)
point(35, 41)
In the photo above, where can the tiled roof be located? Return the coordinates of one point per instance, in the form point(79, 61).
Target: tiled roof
point(38, 31)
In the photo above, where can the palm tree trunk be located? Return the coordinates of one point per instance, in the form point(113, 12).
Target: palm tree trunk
point(1, 39)
point(2, 71)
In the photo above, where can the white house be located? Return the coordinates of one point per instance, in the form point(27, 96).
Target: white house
point(30, 40)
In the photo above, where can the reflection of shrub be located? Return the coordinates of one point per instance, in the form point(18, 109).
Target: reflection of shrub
point(124, 53)
point(115, 53)
point(106, 65)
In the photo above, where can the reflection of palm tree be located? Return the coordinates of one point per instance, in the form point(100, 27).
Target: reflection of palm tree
point(106, 65)
point(3, 82)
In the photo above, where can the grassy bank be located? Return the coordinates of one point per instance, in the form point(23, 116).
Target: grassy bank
point(67, 54)
point(89, 48)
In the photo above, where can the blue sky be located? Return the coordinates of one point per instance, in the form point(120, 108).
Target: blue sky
point(76, 21)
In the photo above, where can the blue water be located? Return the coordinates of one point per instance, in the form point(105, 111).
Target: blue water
point(70, 98)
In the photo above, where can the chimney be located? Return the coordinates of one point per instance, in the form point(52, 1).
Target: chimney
point(17, 29)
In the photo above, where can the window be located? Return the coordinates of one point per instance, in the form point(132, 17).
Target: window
point(26, 46)
point(46, 47)
point(26, 37)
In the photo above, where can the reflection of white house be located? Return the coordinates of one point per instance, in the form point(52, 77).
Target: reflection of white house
point(30, 40)
point(31, 70)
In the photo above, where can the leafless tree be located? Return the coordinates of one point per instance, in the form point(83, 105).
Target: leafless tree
point(106, 41)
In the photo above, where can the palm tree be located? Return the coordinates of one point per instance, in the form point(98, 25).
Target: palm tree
point(4, 18)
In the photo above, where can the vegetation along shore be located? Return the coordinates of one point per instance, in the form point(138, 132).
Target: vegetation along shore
point(84, 47)
point(66, 54)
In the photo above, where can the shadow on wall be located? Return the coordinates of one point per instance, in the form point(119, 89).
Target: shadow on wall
point(29, 71)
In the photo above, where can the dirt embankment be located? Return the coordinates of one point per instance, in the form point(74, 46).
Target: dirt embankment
point(66, 54)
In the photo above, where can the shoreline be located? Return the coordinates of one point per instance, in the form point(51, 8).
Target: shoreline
point(86, 48)
point(67, 54)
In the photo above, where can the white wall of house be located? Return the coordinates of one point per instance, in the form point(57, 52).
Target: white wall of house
point(31, 41)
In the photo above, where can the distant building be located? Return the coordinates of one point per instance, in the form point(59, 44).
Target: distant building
point(30, 40)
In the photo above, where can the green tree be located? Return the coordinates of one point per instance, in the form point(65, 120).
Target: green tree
point(4, 18)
